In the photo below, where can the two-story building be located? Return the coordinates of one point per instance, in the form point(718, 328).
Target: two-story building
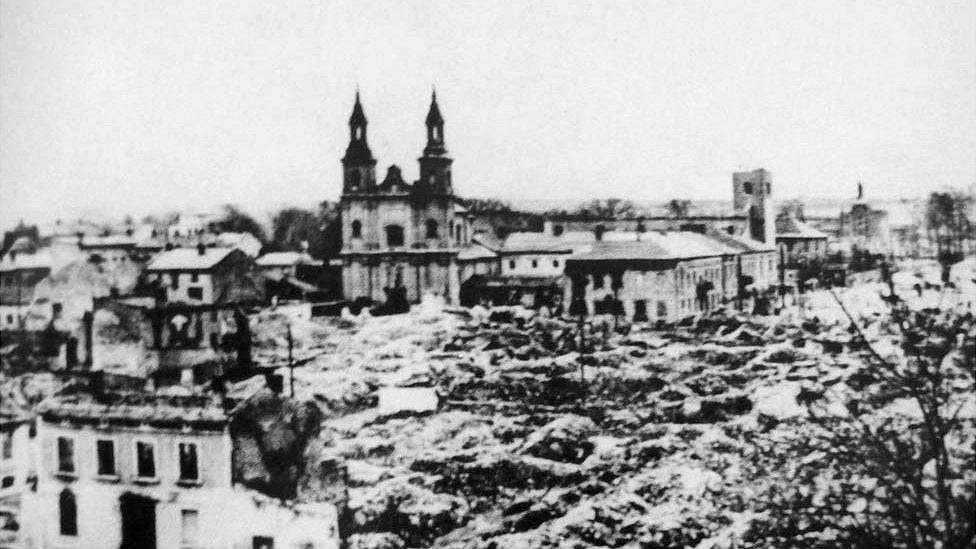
point(144, 471)
point(662, 276)
point(19, 275)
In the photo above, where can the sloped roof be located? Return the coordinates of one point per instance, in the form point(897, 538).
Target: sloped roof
point(475, 251)
point(188, 259)
point(19, 261)
point(742, 243)
point(658, 246)
point(790, 227)
point(282, 259)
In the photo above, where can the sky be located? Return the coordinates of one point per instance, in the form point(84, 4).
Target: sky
point(114, 107)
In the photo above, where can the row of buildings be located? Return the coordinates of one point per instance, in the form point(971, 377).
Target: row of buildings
point(407, 239)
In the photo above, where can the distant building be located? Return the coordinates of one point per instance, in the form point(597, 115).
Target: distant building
point(663, 276)
point(751, 215)
point(291, 275)
point(19, 275)
point(203, 276)
point(145, 471)
point(108, 249)
point(399, 238)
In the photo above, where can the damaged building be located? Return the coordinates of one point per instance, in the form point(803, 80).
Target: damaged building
point(137, 470)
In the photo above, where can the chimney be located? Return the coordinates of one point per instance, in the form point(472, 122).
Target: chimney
point(201, 249)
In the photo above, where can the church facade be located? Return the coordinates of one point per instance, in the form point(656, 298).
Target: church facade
point(413, 238)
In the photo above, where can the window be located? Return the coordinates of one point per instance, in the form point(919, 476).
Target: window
point(394, 235)
point(195, 292)
point(747, 187)
point(557, 230)
point(145, 460)
point(105, 450)
point(66, 455)
point(7, 482)
point(431, 228)
point(7, 440)
point(457, 233)
point(357, 229)
point(262, 542)
point(174, 279)
point(511, 264)
point(355, 179)
point(598, 281)
point(189, 531)
point(188, 461)
point(555, 263)
point(68, 508)
point(194, 277)
point(535, 263)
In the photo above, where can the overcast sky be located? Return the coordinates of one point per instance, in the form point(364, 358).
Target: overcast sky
point(109, 107)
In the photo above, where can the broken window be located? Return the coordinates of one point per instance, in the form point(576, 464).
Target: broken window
point(188, 461)
point(145, 460)
point(68, 508)
point(190, 519)
point(66, 455)
point(106, 457)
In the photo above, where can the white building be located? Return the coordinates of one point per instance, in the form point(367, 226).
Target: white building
point(144, 471)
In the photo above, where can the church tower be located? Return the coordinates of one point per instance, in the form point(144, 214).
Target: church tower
point(752, 196)
point(358, 165)
point(435, 165)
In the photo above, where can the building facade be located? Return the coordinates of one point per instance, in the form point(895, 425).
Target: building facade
point(401, 237)
point(149, 472)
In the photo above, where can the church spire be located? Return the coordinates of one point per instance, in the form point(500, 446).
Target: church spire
point(358, 163)
point(435, 165)
point(435, 129)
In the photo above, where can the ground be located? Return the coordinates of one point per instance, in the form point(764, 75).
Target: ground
point(648, 439)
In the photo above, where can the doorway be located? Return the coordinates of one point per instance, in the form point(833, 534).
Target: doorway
point(138, 521)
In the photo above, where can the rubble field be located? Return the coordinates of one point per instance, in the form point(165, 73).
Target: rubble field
point(641, 438)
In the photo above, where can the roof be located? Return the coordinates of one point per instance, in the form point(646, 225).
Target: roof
point(108, 241)
point(475, 251)
point(658, 246)
point(285, 259)
point(791, 227)
point(245, 242)
point(133, 409)
point(17, 262)
point(742, 243)
point(188, 259)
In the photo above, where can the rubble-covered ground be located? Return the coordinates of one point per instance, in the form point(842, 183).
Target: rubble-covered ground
point(647, 439)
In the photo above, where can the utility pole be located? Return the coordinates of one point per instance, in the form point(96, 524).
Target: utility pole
point(291, 363)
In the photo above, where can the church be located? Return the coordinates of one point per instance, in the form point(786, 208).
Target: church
point(405, 238)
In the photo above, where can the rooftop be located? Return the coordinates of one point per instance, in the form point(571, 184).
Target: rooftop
point(286, 259)
point(133, 409)
point(188, 259)
point(789, 226)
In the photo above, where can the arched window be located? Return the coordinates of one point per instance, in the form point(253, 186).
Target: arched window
point(394, 235)
point(431, 228)
point(69, 513)
point(355, 178)
point(357, 229)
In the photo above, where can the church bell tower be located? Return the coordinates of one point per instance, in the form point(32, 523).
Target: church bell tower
point(435, 165)
point(358, 165)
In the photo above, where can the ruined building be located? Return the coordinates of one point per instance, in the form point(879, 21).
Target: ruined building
point(403, 239)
